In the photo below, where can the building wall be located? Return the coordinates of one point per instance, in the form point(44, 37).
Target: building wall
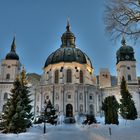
point(11, 68)
point(4, 89)
point(82, 97)
point(125, 68)
point(104, 78)
point(75, 67)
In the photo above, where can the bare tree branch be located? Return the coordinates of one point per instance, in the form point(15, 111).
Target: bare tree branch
point(122, 17)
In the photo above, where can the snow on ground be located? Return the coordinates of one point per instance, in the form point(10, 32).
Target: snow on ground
point(128, 131)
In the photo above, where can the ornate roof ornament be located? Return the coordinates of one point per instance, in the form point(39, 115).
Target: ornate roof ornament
point(68, 24)
point(123, 41)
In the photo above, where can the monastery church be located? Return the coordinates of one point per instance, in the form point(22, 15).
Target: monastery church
point(68, 79)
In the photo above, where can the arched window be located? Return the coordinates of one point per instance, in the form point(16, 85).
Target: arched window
point(56, 77)
point(81, 96)
point(46, 98)
point(7, 76)
point(129, 77)
point(81, 77)
point(69, 76)
point(91, 97)
point(5, 96)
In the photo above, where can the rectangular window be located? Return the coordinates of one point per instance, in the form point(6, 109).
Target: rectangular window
point(69, 96)
point(69, 76)
point(90, 97)
point(128, 68)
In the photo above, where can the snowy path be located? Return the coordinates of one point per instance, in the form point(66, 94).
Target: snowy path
point(68, 132)
point(131, 131)
point(61, 132)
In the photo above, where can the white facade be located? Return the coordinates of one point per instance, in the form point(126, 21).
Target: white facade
point(104, 78)
point(86, 96)
point(128, 70)
point(80, 92)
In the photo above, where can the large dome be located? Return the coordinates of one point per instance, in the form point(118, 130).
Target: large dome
point(125, 53)
point(12, 55)
point(68, 51)
point(68, 54)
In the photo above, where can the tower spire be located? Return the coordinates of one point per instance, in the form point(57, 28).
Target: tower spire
point(68, 24)
point(13, 46)
point(123, 41)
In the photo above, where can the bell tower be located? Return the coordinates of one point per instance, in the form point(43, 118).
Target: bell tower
point(10, 66)
point(126, 64)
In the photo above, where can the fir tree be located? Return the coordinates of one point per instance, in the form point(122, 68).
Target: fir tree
point(26, 97)
point(110, 107)
point(17, 113)
point(127, 107)
point(50, 113)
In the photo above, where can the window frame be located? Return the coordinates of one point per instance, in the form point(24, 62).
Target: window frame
point(81, 77)
point(56, 76)
point(69, 76)
point(8, 76)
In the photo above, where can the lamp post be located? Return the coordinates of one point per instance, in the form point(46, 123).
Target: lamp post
point(44, 117)
point(44, 124)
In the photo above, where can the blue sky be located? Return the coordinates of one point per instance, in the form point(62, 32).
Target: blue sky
point(39, 24)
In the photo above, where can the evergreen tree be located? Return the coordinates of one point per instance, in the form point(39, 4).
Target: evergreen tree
point(26, 97)
point(127, 106)
point(17, 113)
point(50, 113)
point(110, 107)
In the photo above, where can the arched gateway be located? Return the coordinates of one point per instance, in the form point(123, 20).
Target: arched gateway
point(69, 110)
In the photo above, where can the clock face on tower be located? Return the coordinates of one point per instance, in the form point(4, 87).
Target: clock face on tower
point(127, 57)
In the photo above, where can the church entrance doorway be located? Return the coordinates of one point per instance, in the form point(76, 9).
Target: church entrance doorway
point(69, 110)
